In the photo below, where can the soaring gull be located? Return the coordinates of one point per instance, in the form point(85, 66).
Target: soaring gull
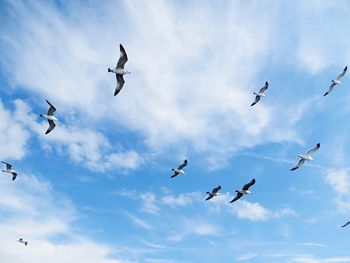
point(50, 117)
point(22, 241)
point(213, 193)
point(244, 191)
point(260, 93)
point(10, 170)
point(336, 81)
point(180, 169)
point(119, 70)
point(306, 157)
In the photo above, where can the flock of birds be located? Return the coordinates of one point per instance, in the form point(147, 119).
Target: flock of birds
point(119, 72)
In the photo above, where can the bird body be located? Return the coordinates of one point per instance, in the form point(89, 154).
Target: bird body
point(213, 193)
point(244, 191)
point(336, 81)
point(260, 93)
point(50, 117)
point(306, 157)
point(22, 241)
point(180, 169)
point(119, 70)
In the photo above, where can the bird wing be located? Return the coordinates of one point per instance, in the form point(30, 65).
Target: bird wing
point(348, 223)
point(238, 196)
point(51, 127)
point(175, 174)
point(123, 58)
point(331, 87)
point(182, 165)
point(300, 163)
point(8, 166)
point(265, 87)
point(209, 197)
point(246, 187)
point(52, 108)
point(342, 74)
point(120, 84)
point(313, 149)
point(257, 98)
point(216, 189)
point(14, 176)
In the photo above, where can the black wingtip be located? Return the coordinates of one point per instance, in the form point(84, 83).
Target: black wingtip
point(325, 94)
point(294, 168)
point(252, 104)
point(318, 145)
point(109, 70)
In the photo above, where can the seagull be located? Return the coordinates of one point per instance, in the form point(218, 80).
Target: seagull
point(306, 157)
point(22, 241)
point(348, 223)
point(180, 169)
point(260, 94)
point(119, 70)
point(244, 191)
point(213, 193)
point(10, 170)
point(336, 81)
point(50, 117)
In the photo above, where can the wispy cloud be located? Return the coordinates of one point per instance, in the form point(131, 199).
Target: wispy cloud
point(23, 204)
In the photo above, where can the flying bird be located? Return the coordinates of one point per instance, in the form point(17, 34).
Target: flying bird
point(348, 223)
point(213, 193)
point(306, 157)
point(260, 93)
point(50, 117)
point(336, 81)
point(10, 170)
point(119, 70)
point(180, 169)
point(22, 241)
point(244, 191)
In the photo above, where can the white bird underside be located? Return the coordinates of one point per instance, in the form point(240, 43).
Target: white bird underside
point(306, 157)
point(336, 81)
point(260, 93)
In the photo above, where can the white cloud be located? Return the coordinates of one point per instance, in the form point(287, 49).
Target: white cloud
point(311, 259)
point(84, 146)
point(149, 203)
point(339, 180)
point(14, 137)
point(23, 203)
point(182, 199)
point(72, 61)
point(251, 211)
point(138, 221)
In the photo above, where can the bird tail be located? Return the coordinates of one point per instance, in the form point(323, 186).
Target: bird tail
point(25, 243)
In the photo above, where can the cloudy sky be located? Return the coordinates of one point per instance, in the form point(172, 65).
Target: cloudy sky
point(98, 189)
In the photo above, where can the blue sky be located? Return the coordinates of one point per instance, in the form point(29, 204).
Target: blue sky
point(98, 188)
